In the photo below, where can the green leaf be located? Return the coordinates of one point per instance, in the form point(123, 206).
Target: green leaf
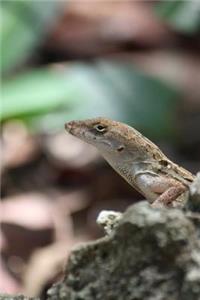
point(36, 92)
point(22, 26)
point(183, 16)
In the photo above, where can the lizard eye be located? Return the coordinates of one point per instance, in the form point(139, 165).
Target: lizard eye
point(120, 148)
point(100, 128)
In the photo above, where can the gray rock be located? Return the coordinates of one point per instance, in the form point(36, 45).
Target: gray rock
point(193, 203)
point(154, 254)
point(15, 297)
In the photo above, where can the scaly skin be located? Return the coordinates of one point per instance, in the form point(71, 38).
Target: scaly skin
point(139, 161)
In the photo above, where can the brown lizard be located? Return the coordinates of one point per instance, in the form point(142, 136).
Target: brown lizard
point(136, 159)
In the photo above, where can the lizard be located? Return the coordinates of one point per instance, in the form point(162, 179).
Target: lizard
point(138, 160)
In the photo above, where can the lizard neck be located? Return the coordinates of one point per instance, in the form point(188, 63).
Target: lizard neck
point(128, 169)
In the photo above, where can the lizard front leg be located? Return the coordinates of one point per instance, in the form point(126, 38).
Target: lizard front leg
point(159, 189)
point(169, 196)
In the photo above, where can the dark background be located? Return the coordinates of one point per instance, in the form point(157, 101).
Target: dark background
point(133, 61)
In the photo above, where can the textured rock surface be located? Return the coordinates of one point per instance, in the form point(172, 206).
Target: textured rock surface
point(15, 297)
point(193, 203)
point(154, 254)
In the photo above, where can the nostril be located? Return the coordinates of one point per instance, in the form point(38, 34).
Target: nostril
point(68, 126)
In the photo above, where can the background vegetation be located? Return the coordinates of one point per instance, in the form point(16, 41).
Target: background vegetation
point(133, 61)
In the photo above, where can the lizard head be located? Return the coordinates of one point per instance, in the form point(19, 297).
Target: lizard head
point(113, 139)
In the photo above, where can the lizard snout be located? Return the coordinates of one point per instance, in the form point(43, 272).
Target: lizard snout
point(72, 127)
point(69, 126)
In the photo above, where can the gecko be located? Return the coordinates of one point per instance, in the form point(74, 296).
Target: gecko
point(138, 160)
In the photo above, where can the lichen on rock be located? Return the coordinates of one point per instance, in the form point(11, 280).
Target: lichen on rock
point(154, 254)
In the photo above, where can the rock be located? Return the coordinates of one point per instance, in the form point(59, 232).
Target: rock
point(154, 254)
point(109, 220)
point(14, 297)
point(193, 203)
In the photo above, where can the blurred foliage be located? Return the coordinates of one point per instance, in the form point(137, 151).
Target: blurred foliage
point(115, 90)
point(46, 97)
point(181, 15)
point(35, 92)
point(22, 26)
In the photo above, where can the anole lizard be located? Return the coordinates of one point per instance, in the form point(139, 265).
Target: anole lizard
point(136, 159)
